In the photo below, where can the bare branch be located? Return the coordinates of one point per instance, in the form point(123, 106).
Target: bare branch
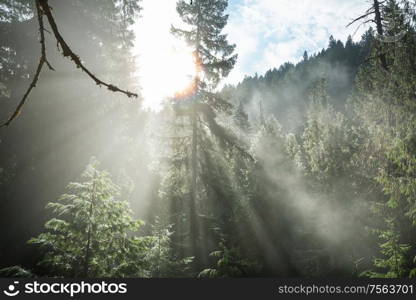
point(361, 17)
point(375, 10)
point(42, 8)
point(67, 52)
point(42, 36)
point(42, 61)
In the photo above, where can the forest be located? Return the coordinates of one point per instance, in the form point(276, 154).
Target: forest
point(307, 170)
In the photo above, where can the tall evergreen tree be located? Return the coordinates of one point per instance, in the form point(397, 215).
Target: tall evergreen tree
point(160, 259)
point(91, 233)
point(214, 59)
point(386, 113)
point(62, 106)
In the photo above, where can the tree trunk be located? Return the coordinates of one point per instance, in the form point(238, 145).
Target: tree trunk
point(89, 233)
point(193, 214)
point(379, 25)
point(194, 159)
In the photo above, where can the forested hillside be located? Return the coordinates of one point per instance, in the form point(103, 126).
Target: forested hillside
point(307, 170)
point(284, 91)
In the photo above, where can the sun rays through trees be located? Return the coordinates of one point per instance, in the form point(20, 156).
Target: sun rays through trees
point(307, 170)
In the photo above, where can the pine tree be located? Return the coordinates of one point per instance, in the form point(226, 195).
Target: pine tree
point(160, 258)
point(91, 233)
point(395, 260)
point(268, 213)
point(305, 56)
point(229, 263)
point(241, 119)
point(214, 60)
point(328, 144)
point(15, 272)
point(385, 110)
point(326, 154)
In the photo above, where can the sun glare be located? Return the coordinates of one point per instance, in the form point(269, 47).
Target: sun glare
point(165, 64)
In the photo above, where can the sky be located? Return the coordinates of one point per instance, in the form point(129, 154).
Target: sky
point(267, 33)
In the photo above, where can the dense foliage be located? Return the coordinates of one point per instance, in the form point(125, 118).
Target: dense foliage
point(307, 170)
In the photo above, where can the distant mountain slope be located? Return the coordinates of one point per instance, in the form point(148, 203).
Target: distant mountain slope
point(284, 92)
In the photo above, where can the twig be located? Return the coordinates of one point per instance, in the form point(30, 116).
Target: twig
point(361, 17)
point(42, 8)
point(42, 61)
point(42, 36)
point(67, 52)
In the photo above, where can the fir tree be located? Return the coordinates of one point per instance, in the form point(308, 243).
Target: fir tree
point(214, 59)
point(305, 56)
point(229, 263)
point(386, 113)
point(241, 119)
point(160, 259)
point(91, 233)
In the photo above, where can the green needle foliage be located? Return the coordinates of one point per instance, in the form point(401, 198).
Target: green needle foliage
point(229, 263)
point(206, 20)
point(386, 113)
point(16, 272)
point(307, 170)
point(395, 261)
point(160, 258)
point(198, 155)
point(91, 233)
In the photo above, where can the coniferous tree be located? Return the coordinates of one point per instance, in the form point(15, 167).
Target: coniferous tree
point(160, 259)
point(326, 155)
point(229, 263)
point(241, 119)
point(62, 105)
point(305, 56)
point(91, 233)
point(214, 60)
point(386, 114)
point(269, 211)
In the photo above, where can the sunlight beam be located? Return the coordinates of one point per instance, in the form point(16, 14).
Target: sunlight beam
point(165, 64)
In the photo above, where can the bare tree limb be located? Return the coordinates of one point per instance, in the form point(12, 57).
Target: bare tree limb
point(375, 10)
point(360, 17)
point(42, 8)
point(67, 52)
point(42, 61)
point(42, 36)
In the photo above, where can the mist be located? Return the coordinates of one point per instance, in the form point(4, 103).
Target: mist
point(303, 171)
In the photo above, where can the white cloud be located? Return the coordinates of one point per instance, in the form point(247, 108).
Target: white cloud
point(267, 33)
point(271, 32)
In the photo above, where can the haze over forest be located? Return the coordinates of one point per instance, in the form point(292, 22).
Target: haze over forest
point(126, 151)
